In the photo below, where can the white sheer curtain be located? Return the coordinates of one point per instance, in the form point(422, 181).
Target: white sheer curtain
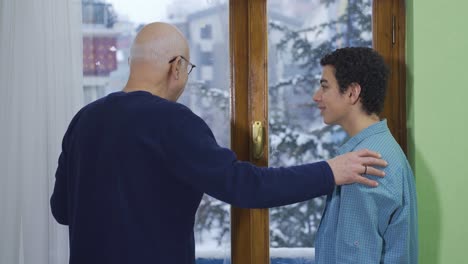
point(40, 90)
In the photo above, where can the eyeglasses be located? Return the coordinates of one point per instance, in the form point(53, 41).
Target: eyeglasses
point(190, 65)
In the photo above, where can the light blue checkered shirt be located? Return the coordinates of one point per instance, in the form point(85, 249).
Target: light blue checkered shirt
point(372, 225)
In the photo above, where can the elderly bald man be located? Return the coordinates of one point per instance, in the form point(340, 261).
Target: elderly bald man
point(135, 164)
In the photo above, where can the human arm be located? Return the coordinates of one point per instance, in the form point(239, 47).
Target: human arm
point(196, 159)
point(59, 198)
point(363, 220)
point(401, 236)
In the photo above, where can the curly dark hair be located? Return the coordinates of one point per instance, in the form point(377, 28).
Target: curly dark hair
point(363, 66)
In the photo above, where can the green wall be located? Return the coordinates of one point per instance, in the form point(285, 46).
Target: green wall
point(437, 58)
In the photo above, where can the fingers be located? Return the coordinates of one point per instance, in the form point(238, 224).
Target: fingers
point(374, 162)
point(348, 168)
point(375, 172)
point(366, 181)
point(370, 159)
point(368, 153)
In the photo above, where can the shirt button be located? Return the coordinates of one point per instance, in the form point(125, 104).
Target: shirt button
point(356, 243)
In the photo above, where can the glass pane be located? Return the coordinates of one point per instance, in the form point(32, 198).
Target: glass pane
point(300, 32)
point(108, 31)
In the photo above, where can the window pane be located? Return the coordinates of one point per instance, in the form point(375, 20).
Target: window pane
point(108, 31)
point(300, 32)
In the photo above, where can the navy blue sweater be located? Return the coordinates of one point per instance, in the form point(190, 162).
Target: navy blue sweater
point(133, 170)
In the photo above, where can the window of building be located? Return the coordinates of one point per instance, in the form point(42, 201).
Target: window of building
point(206, 32)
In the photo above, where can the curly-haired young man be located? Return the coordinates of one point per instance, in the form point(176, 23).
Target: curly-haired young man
point(360, 224)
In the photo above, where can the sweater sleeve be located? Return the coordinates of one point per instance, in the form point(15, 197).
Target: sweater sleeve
point(196, 159)
point(59, 198)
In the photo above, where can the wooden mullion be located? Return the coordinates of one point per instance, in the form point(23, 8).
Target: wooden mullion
point(248, 47)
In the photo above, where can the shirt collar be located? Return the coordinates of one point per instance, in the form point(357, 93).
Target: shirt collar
point(373, 129)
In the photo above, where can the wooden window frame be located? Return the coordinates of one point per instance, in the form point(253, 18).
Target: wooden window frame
point(388, 35)
point(249, 85)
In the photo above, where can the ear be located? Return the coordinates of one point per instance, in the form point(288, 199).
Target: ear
point(354, 92)
point(175, 68)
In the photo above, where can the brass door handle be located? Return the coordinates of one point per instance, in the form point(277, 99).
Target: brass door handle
point(257, 139)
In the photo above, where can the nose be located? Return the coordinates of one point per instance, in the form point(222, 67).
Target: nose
point(317, 95)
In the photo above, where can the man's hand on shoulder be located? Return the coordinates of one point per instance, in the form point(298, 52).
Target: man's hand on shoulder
point(349, 168)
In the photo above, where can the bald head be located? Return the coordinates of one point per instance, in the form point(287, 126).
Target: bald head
point(158, 42)
point(154, 46)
